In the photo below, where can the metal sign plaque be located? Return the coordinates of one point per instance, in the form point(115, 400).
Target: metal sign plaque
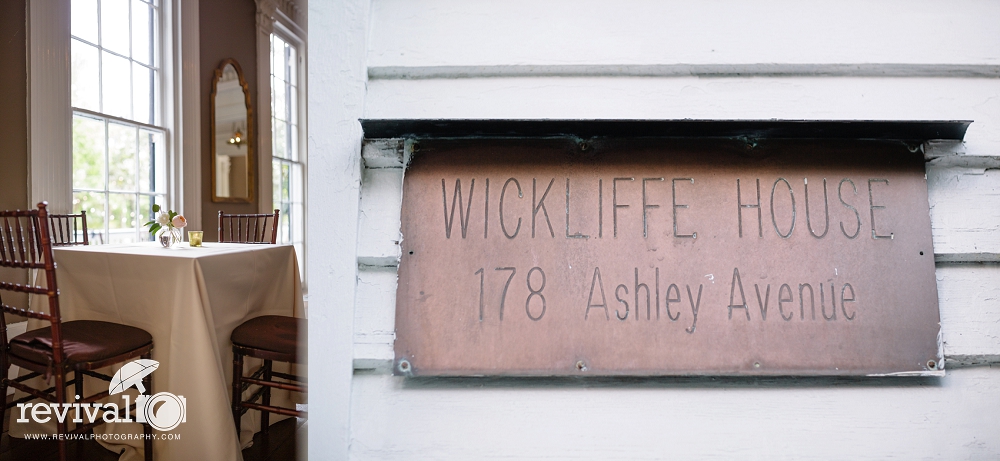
point(666, 257)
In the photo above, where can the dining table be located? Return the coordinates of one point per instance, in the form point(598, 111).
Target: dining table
point(190, 299)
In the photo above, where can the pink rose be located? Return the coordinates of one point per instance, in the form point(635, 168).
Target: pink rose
point(179, 221)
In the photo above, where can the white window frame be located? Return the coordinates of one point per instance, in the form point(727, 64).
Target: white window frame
point(271, 19)
point(50, 126)
point(158, 60)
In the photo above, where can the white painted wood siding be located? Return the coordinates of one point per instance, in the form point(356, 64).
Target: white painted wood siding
point(781, 59)
point(594, 32)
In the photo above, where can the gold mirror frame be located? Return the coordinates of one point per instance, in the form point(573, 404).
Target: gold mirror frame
point(249, 132)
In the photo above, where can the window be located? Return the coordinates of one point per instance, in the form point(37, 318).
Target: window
point(288, 166)
point(119, 149)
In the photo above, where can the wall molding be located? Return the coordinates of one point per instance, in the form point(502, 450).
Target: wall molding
point(50, 126)
point(267, 10)
point(687, 70)
point(185, 108)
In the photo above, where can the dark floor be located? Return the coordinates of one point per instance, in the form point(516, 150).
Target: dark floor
point(278, 445)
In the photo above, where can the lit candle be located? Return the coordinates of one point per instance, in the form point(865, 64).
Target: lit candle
point(194, 238)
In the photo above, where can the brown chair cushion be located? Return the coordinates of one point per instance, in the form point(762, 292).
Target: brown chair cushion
point(275, 333)
point(83, 341)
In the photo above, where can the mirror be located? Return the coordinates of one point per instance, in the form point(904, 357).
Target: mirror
point(232, 135)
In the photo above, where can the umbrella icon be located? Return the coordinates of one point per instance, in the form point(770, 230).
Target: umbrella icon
point(131, 374)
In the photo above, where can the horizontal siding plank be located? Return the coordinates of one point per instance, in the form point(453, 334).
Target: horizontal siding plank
point(688, 70)
point(953, 417)
point(566, 32)
point(965, 209)
point(378, 221)
point(970, 310)
point(375, 317)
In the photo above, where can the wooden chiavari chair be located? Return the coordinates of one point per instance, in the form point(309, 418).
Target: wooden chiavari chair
point(78, 347)
point(68, 229)
point(270, 337)
point(248, 228)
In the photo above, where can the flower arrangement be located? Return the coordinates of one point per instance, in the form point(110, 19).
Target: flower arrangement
point(170, 222)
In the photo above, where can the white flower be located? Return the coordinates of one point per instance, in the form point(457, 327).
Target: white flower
point(163, 219)
point(179, 221)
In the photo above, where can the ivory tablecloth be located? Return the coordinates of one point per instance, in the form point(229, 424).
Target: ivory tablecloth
point(189, 300)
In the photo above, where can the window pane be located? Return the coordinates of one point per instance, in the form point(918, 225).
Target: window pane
point(273, 63)
point(142, 100)
point(88, 153)
point(152, 162)
point(284, 185)
point(293, 138)
point(278, 57)
point(292, 63)
point(295, 213)
point(276, 183)
point(155, 99)
point(85, 76)
point(93, 204)
point(84, 19)
point(283, 224)
point(145, 214)
point(116, 84)
point(280, 139)
point(293, 105)
point(154, 38)
point(142, 32)
point(295, 182)
point(278, 99)
point(121, 157)
point(122, 218)
point(115, 26)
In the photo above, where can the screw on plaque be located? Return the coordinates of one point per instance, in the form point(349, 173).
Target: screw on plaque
point(580, 366)
point(404, 367)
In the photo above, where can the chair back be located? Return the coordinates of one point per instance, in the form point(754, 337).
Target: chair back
point(68, 229)
point(248, 228)
point(25, 244)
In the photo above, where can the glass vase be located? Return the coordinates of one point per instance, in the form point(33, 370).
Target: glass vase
point(169, 237)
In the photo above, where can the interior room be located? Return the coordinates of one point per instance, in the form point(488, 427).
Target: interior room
point(181, 128)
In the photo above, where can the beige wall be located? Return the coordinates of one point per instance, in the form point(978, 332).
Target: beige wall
point(13, 123)
point(228, 30)
point(13, 106)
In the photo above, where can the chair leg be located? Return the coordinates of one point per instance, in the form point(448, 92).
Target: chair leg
point(60, 377)
point(3, 381)
point(237, 386)
point(78, 387)
point(78, 383)
point(147, 430)
point(265, 416)
point(3, 384)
